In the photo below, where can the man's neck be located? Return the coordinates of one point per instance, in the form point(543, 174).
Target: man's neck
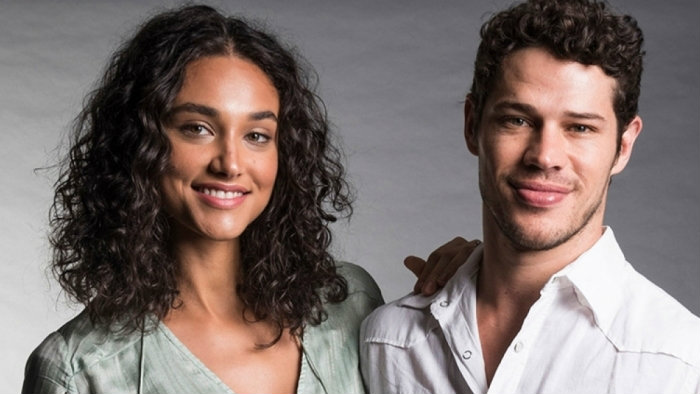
point(509, 283)
point(512, 274)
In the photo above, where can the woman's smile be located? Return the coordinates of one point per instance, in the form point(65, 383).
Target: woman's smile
point(222, 196)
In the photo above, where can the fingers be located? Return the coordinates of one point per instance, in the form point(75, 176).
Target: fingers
point(417, 266)
point(435, 263)
point(443, 263)
point(451, 267)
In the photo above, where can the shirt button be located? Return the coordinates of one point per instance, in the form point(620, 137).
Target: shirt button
point(518, 347)
point(444, 303)
point(467, 355)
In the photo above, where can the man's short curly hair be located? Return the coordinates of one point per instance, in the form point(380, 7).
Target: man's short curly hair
point(109, 231)
point(584, 31)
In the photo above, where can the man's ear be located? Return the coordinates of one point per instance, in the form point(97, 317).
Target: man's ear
point(469, 125)
point(627, 142)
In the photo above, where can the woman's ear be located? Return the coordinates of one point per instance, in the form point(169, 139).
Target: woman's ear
point(469, 126)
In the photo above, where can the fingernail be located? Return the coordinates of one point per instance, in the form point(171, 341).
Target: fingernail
point(429, 288)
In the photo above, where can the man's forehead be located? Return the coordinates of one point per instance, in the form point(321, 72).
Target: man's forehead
point(534, 73)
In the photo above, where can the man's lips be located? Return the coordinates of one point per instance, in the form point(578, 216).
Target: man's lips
point(538, 194)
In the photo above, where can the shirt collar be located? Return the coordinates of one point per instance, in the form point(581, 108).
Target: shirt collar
point(597, 275)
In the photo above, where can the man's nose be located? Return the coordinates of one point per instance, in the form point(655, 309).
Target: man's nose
point(547, 148)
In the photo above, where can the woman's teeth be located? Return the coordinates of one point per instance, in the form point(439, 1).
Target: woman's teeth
point(221, 194)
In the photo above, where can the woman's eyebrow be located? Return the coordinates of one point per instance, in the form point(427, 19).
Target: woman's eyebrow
point(212, 112)
point(192, 107)
point(263, 115)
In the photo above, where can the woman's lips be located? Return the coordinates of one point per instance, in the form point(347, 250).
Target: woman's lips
point(221, 197)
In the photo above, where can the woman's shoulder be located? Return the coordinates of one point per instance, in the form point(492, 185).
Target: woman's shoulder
point(331, 346)
point(68, 351)
point(79, 338)
point(360, 282)
point(363, 297)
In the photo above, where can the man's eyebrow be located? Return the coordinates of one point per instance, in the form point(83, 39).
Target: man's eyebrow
point(526, 108)
point(513, 105)
point(584, 115)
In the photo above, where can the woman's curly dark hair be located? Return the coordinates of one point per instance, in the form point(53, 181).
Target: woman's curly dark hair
point(584, 31)
point(109, 231)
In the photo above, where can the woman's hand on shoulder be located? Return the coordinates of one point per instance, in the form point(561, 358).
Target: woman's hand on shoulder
point(441, 265)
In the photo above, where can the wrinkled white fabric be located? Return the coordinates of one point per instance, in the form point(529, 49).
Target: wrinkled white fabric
point(598, 327)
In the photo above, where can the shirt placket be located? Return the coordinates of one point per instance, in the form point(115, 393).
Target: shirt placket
point(510, 370)
point(458, 324)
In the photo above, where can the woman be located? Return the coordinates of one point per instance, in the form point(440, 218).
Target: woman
point(191, 220)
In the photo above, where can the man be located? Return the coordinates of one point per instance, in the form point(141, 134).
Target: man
point(548, 303)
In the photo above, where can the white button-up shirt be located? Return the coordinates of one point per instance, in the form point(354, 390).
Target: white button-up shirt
point(598, 327)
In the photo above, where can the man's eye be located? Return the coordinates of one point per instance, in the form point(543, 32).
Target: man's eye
point(579, 128)
point(515, 121)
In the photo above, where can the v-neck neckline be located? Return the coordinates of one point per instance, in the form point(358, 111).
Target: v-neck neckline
point(192, 358)
point(207, 371)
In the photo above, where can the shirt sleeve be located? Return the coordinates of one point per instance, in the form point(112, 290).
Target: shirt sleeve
point(369, 360)
point(47, 370)
point(365, 361)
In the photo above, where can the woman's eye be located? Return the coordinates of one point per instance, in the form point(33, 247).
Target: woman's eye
point(194, 129)
point(258, 138)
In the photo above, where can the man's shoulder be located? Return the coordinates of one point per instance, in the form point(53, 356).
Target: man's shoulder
point(400, 323)
point(651, 320)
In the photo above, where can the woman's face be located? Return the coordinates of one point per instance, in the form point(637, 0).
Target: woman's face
point(223, 134)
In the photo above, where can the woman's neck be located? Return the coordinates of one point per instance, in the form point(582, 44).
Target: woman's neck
point(209, 272)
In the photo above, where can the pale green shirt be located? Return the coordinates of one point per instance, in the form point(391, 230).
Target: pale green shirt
point(80, 358)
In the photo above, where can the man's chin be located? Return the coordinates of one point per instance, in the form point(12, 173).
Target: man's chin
point(524, 240)
point(536, 245)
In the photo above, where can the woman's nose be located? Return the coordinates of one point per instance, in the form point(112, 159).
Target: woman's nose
point(226, 160)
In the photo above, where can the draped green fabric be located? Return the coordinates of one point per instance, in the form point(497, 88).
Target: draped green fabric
point(81, 358)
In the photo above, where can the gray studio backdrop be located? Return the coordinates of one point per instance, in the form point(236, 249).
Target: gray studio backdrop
point(393, 75)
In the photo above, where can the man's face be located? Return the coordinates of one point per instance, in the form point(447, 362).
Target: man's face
point(546, 144)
